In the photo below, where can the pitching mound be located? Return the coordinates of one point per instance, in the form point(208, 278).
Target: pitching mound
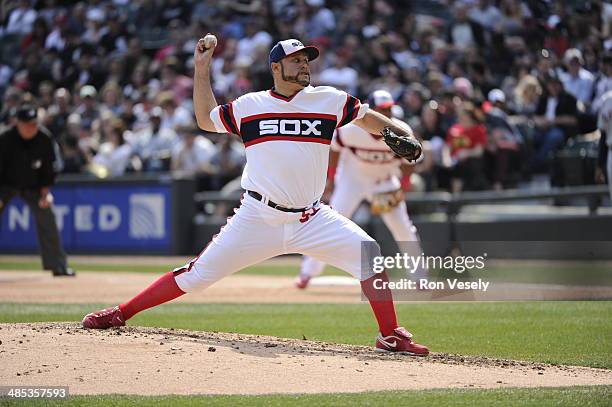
point(154, 361)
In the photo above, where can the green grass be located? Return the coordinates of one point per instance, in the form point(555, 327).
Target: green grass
point(575, 333)
point(573, 396)
point(585, 274)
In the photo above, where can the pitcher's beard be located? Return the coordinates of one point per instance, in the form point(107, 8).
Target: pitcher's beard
point(295, 79)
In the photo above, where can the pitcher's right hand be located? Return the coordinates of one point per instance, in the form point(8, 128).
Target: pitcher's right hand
point(204, 51)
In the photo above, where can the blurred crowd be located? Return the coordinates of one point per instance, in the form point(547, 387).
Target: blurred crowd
point(496, 89)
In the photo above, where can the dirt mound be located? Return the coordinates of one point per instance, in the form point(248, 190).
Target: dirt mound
point(153, 361)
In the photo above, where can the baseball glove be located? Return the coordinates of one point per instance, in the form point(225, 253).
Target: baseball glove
point(383, 202)
point(406, 147)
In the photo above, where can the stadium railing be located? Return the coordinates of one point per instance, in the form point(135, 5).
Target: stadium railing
point(452, 204)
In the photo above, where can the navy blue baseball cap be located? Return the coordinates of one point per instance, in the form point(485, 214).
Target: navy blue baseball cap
point(288, 47)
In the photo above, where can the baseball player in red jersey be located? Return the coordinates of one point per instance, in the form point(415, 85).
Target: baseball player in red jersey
point(287, 132)
point(367, 169)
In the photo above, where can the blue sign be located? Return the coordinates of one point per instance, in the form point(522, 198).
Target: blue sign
point(96, 218)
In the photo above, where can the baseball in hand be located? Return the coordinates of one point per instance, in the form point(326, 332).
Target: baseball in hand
point(209, 41)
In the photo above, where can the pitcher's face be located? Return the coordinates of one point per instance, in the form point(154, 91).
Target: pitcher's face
point(295, 69)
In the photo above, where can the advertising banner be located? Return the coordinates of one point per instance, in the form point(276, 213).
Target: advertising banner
point(97, 218)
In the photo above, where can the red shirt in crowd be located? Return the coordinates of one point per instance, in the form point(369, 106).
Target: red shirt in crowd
point(460, 138)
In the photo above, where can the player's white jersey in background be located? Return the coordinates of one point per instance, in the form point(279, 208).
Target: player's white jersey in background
point(366, 160)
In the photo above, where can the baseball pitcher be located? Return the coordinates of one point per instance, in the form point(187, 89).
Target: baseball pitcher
point(287, 131)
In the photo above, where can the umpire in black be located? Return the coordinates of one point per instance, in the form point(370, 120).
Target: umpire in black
point(27, 157)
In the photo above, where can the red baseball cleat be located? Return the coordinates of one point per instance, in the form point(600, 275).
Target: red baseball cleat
point(302, 282)
point(400, 341)
point(104, 319)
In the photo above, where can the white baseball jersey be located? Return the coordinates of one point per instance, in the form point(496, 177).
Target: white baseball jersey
point(604, 121)
point(365, 158)
point(287, 139)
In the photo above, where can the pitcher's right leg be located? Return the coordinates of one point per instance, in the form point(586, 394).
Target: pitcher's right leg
point(248, 238)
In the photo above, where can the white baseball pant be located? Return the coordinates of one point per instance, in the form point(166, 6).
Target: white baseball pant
point(258, 232)
point(345, 200)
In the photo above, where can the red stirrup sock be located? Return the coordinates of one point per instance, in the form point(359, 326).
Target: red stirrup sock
point(162, 290)
point(381, 301)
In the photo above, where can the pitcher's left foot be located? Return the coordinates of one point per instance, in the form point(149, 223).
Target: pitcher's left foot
point(104, 319)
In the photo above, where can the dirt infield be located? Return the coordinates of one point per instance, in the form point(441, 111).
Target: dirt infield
point(115, 287)
point(153, 361)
